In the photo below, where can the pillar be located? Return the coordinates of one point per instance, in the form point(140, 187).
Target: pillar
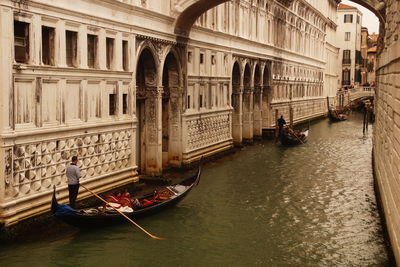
point(257, 124)
point(248, 113)
point(237, 104)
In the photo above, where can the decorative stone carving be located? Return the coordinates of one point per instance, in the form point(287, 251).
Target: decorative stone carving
point(35, 167)
point(207, 131)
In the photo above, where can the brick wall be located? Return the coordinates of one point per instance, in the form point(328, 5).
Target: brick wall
point(387, 127)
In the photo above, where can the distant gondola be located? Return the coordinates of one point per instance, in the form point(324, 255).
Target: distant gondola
point(290, 137)
point(335, 116)
point(95, 216)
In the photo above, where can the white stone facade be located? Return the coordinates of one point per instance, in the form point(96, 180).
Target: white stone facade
point(349, 41)
point(111, 82)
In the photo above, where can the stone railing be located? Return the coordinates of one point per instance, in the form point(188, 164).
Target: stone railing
point(362, 91)
point(34, 167)
point(205, 129)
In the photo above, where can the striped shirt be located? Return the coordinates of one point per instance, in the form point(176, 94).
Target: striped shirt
point(73, 174)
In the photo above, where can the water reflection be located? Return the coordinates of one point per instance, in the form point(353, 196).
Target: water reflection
point(311, 205)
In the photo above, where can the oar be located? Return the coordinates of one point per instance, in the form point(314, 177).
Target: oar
point(129, 219)
point(297, 137)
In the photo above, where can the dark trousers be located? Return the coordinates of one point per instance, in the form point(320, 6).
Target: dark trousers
point(73, 193)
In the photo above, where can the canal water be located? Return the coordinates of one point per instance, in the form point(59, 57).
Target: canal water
point(266, 205)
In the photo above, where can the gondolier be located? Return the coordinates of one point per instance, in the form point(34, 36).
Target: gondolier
point(73, 174)
point(146, 204)
point(281, 123)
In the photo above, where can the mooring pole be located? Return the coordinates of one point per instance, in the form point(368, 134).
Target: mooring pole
point(365, 118)
point(276, 125)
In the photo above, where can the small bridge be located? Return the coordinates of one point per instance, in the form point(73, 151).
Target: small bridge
point(361, 92)
point(351, 95)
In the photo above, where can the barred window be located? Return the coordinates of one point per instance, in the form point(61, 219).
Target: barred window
point(21, 41)
point(348, 18)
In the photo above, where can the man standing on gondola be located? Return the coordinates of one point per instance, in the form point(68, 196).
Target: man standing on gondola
point(281, 123)
point(73, 174)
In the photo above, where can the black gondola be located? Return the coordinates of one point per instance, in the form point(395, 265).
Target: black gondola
point(95, 216)
point(290, 137)
point(335, 116)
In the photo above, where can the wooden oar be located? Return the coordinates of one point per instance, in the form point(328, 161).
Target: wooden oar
point(292, 131)
point(129, 219)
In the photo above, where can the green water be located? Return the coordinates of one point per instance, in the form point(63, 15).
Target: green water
point(266, 205)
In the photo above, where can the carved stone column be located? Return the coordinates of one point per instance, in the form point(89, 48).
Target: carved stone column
point(266, 107)
point(153, 140)
point(237, 124)
point(257, 113)
point(175, 149)
point(248, 113)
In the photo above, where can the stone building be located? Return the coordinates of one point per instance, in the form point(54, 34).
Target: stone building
point(60, 105)
point(364, 55)
point(121, 85)
point(349, 41)
point(371, 58)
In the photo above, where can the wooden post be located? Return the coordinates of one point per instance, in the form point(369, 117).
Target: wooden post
point(327, 102)
point(276, 125)
point(365, 118)
point(291, 116)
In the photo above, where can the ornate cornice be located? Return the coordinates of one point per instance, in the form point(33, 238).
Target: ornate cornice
point(155, 40)
point(285, 2)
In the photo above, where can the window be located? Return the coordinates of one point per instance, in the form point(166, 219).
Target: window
point(359, 58)
point(124, 103)
point(190, 57)
point(112, 104)
point(109, 52)
point(91, 50)
point(346, 77)
point(188, 101)
point(201, 101)
point(201, 58)
point(348, 18)
point(347, 36)
point(346, 57)
point(48, 45)
point(213, 60)
point(357, 76)
point(21, 42)
point(71, 46)
point(125, 53)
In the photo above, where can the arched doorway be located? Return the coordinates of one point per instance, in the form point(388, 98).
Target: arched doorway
point(171, 112)
point(247, 105)
point(257, 102)
point(236, 104)
point(146, 107)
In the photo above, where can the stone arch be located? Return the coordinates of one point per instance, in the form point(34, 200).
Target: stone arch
point(257, 101)
point(266, 96)
point(147, 104)
point(247, 77)
point(236, 100)
point(190, 10)
point(146, 72)
point(172, 52)
point(171, 109)
point(248, 89)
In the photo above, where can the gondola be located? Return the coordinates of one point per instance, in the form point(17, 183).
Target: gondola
point(335, 116)
point(96, 216)
point(290, 137)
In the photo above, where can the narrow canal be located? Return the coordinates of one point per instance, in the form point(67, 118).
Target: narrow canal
point(266, 205)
